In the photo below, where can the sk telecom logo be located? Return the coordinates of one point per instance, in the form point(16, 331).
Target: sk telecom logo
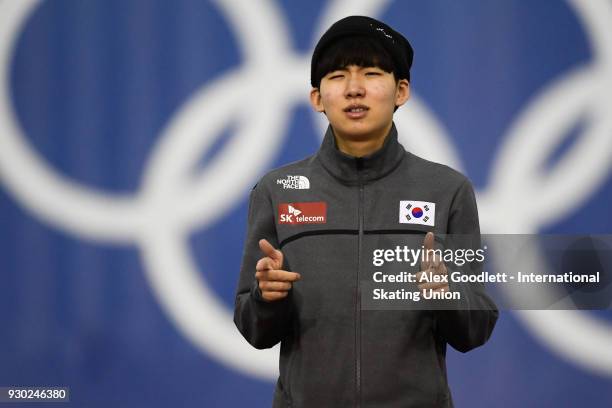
point(302, 213)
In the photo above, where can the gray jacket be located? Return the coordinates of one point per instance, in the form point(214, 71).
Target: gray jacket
point(327, 213)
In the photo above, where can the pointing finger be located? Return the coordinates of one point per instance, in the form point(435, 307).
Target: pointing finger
point(275, 286)
point(277, 275)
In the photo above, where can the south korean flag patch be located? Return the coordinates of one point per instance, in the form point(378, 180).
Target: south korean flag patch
point(417, 212)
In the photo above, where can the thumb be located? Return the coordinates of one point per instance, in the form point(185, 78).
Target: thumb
point(428, 245)
point(428, 242)
point(271, 252)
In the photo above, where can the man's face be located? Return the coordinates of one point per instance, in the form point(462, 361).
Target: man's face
point(359, 101)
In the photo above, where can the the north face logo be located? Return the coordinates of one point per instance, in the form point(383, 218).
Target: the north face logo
point(295, 182)
point(302, 213)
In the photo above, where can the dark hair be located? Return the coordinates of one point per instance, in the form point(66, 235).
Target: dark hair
point(353, 50)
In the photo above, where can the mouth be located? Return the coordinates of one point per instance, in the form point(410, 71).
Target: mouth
point(356, 111)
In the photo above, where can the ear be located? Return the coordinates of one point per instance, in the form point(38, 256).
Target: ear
point(402, 93)
point(315, 100)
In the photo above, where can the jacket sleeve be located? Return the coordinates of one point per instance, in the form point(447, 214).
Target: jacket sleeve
point(262, 323)
point(471, 322)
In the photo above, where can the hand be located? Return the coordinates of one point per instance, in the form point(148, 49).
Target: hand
point(433, 266)
point(274, 282)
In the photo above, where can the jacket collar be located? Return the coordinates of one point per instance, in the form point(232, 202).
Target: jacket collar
point(353, 170)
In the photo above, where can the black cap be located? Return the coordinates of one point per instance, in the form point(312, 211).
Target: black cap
point(396, 44)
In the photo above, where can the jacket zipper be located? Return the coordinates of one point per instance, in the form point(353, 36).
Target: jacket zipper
point(359, 165)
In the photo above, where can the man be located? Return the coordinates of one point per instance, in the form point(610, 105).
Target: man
point(314, 224)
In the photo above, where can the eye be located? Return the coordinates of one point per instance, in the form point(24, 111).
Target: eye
point(334, 76)
point(373, 73)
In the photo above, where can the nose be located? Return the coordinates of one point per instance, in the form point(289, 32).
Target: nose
point(354, 86)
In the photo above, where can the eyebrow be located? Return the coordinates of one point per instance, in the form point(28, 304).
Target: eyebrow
point(360, 67)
